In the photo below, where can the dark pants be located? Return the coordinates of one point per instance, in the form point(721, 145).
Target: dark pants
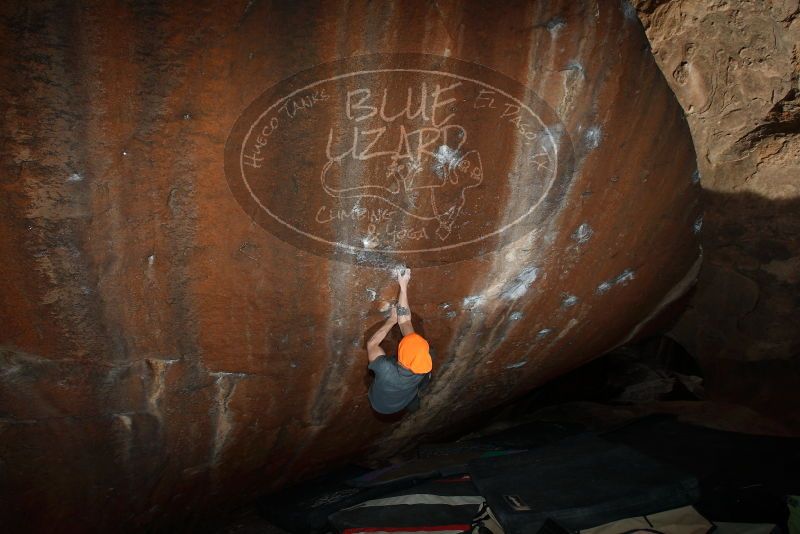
point(413, 406)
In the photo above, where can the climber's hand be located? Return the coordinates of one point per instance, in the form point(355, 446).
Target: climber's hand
point(403, 276)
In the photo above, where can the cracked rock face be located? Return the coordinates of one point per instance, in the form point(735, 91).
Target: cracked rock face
point(735, 68)
point(203, 206)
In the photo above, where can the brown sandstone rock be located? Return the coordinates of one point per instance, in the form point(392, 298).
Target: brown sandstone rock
point(735, 68)
point(180, 331)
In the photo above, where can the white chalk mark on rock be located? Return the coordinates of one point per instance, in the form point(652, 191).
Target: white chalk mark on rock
point(569, 301)
point(543, 333)
point(621, 279)
point(698, 225)
point(677, 291)
point(446, 160)
point(555, 25)
point(126, 436)
point(226, 385)
point(517, 287)
point(576, 66)
point(158, 369)
point(370, 242)
point(604, 287)
point(592, 137)
point(473, 301)
point(582, 234)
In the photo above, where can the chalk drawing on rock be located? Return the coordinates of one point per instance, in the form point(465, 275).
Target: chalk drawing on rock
point(390, 156)
point(413, 190)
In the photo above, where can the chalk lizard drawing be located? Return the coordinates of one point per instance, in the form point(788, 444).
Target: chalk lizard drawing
point(427, 186)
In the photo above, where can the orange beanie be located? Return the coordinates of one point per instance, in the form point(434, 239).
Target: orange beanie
point(413, 354)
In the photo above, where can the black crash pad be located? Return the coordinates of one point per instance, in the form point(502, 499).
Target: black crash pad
point(579, 482)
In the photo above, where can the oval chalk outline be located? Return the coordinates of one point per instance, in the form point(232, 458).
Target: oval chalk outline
point(355, 249)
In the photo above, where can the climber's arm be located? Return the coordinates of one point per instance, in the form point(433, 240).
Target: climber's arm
point(403, 309)
point(374, 349)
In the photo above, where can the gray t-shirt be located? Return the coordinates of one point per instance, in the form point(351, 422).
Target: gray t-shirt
point(394, 386)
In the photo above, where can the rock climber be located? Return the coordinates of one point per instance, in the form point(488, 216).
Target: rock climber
point(399, 380)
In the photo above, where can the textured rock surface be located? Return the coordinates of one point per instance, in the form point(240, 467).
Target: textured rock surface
point(165, 357)
point(735, 67)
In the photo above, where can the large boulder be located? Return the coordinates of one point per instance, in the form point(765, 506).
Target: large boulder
point(204, 204)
